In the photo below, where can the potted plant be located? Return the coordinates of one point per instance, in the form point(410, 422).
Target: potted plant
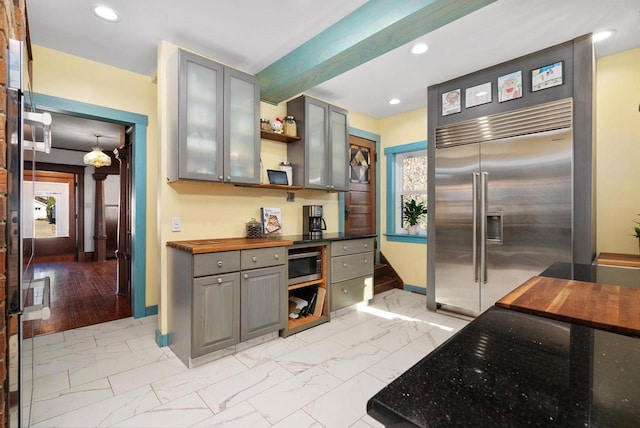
point(412, 211)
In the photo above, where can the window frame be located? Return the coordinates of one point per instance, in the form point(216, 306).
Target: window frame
point(391, 154)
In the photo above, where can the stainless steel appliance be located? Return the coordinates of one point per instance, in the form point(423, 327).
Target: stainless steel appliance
point(304, 265)
point(503, 203)
point(24, 130)
point(312, 222)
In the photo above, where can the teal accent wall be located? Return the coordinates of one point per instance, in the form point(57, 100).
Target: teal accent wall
point(391, 192)
point(139, 162)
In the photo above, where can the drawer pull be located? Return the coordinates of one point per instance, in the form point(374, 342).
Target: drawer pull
point(220, 263)
point(344, 247)
point(365, 261)
point(344, 264)
point(344, 290)
point(365, 245)
point(246, 276)
point(219, 280)
point(277, 256)
point(254, 258)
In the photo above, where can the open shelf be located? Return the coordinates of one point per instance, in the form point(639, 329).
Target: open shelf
point(306, 284)
point(283, 138)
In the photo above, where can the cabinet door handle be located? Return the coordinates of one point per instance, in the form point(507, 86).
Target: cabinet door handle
point(277, 256)
point(220, 263)
point(344, 290)
point(221, 178)
point(246, 276)
point(228, 178)
point(365, 261)
point(219, 280)
point(254, 258)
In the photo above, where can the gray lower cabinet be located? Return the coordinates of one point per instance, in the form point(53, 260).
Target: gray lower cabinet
point(262, 301)
point(220, 299)
point(216, 306)
point(352, 263)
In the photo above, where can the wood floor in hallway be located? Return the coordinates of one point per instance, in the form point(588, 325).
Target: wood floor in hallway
point(81, 294)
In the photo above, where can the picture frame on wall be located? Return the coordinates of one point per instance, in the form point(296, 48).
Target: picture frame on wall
point(478, 95)
point(547, 77)
point(510, 86)
point(451, 102)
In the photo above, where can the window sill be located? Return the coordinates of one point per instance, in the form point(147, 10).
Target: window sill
point(415, 239)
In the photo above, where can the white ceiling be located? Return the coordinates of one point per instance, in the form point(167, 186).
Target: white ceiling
point(252, 34)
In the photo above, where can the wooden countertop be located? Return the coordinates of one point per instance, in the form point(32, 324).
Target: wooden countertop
point(200, 246)
point(615, 259)
point(607, 307)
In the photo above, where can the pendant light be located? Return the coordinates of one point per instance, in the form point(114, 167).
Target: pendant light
point(97, 157)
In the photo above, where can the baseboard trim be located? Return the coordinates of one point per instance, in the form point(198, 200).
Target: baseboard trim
point(151, 310)
point(415, 289)
point(162, 339)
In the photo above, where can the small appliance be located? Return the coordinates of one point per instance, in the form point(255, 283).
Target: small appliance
point(304, 265)
point(312, 222)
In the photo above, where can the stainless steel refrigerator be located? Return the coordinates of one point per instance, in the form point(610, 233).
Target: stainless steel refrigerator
point(26, 298)
point(503, 203)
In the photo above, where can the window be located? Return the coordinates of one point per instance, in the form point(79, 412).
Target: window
point(406, 181)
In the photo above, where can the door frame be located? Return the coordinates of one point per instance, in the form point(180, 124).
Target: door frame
point(341, 204)
point(78, 199)
point(139, 164)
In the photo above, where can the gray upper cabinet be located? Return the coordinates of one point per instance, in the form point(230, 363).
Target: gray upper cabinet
point(320, 158)
point(214, 122)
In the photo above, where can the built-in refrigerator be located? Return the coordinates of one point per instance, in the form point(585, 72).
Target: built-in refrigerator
point(27, 298)
point(503, 203)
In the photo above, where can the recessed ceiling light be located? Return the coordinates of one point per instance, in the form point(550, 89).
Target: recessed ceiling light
point(418, 49)
point(106, 13)
point(601, 35)
point(394, 101)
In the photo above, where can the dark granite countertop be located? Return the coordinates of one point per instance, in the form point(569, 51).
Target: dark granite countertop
point(304, 239)
point(511, 369)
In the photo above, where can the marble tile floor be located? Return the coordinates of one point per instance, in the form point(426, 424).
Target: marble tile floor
point(114, 375)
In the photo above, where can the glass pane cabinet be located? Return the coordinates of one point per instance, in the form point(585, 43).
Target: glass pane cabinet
point(320, 157)
point(215, 122)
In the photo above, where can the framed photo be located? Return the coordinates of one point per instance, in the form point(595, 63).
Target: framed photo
point(546, 77)
point(477, 95)
point(510, 86)
point(451, 102)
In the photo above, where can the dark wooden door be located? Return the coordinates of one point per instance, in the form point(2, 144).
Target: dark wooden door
point(360, 200)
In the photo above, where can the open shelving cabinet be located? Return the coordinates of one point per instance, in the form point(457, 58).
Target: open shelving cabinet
point(308, 321)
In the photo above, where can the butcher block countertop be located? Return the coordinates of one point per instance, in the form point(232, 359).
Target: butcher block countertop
point(607, 307)
point(201, 246)
point(615, 259)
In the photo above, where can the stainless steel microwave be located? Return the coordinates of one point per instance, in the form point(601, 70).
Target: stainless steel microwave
point(305, 266)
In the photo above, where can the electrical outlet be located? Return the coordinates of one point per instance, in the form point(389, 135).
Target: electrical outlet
point(176, 224)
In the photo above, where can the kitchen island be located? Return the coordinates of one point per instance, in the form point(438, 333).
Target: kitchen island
point(511, 368)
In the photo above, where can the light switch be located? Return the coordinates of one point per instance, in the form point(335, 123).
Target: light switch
point(176, 224)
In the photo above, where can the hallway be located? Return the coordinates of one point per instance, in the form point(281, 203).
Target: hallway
point(81, 294)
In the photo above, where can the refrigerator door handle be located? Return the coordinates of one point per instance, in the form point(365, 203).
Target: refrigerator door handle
point(484, 178)
point(474, 222)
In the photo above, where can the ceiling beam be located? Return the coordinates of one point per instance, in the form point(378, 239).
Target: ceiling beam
point(374, 29)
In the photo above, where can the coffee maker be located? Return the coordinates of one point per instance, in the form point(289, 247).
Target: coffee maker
point(312, 222)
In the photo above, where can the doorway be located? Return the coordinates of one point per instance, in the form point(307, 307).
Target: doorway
point(73, 219)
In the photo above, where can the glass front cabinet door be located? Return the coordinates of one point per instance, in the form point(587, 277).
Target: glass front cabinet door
point(323, 148)
point(216, 119)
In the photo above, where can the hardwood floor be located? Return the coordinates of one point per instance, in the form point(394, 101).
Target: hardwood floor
point(81, 294)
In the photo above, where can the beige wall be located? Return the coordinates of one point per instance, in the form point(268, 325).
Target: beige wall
point(408, 259)
point(618, 151)
point(70, 77)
